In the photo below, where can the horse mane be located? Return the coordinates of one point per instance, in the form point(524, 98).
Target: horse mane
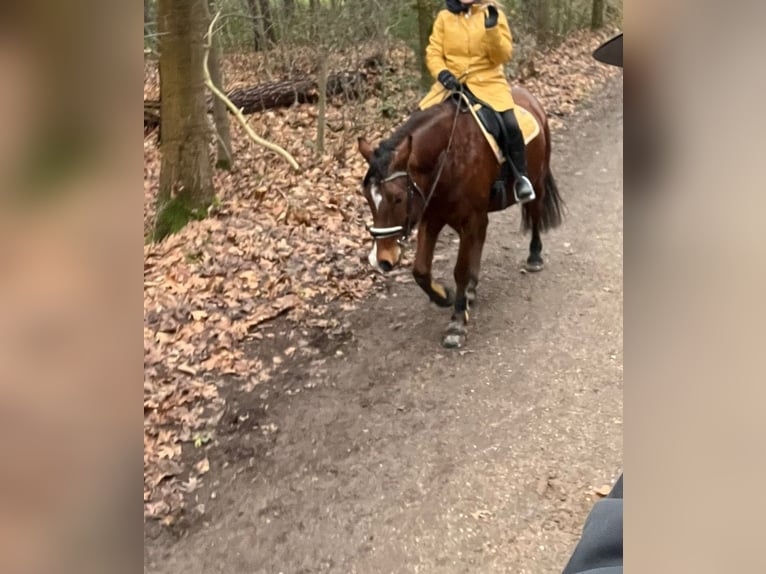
point(383, 154)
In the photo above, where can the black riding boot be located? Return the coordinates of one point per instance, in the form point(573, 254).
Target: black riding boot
point(516, 153)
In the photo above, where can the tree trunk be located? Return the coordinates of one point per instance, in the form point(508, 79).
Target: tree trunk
point(224, 157)
point(268, 21)
point(322, 112)
point(285, 20)
point(542, 22)
point(150, 27)
point(597, 16)
point(263, 27)
point(147, 17)
point(425, 23)
point(186, 179)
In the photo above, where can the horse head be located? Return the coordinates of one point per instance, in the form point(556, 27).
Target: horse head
point(394, 198)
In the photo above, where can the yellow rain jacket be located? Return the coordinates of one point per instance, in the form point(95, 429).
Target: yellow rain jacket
point(459, 43)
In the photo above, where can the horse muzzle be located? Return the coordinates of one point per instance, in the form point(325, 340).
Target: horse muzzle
point(385, 257)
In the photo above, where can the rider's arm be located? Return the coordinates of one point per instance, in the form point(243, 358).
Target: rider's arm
point(498, 43)
point(435, 61)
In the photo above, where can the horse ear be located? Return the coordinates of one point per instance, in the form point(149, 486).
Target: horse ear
point(365, 148)
point(404, 151)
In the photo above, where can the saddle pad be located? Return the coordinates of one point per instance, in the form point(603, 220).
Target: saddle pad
point(530, 128)
point(528, 123)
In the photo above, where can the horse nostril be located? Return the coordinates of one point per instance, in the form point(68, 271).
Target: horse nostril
point(385, 266)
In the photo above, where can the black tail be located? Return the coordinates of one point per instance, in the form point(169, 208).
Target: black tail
point(552, 208)
point(553, 205)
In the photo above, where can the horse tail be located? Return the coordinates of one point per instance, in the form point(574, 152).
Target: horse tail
point(553, 206)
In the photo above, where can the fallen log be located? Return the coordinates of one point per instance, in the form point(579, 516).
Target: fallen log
point(349, 85)
point(151, 117)
point(285, 93)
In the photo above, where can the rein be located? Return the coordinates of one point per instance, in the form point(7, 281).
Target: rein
point(403, 231)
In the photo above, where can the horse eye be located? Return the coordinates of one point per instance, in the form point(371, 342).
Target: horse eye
point(398, 200)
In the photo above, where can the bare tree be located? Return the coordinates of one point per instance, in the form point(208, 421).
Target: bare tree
point(186, 178)
point(224, 157)
point(543, 21)
point(597, 15)
point(263, 26)
point(425, 23)
point(322, 111)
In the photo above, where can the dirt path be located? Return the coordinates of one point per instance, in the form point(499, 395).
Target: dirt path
point(394, 455)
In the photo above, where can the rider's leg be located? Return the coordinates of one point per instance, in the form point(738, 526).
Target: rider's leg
point(522, 187)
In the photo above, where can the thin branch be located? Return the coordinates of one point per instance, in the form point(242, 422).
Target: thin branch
point(236, 111)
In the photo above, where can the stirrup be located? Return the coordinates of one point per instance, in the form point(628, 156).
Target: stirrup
point(524, 183)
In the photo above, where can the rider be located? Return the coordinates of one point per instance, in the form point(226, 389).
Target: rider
point(469, 44)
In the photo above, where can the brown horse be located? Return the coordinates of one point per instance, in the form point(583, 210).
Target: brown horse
point(437, 169)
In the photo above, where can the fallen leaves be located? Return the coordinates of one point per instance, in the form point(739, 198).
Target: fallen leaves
point(202, 467)
point(482, 515)
point(566, 75)
point(276, 243)
point(603, 491)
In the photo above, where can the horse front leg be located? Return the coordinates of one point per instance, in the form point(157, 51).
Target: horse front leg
point(428, 232)
point(475, 262)
point(466, 278)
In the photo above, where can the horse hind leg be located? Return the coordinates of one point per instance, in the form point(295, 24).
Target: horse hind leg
point(540, 215)
point(475, 263)
point(531, 221)
point(535, 261)
point(547, 210)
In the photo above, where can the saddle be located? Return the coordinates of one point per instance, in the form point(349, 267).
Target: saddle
point(491, 122)
point(493, 127)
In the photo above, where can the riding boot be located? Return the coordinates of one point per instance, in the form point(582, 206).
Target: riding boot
point(522, 187)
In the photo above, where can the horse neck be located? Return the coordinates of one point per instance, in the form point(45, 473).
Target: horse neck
point(435, 137)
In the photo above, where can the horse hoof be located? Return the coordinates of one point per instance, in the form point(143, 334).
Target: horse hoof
point(447, 301)
point(534, 266)
point(453, 340)
point(455, 336)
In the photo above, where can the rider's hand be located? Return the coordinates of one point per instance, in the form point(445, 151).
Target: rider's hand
point(490, 20)
point(448, 80)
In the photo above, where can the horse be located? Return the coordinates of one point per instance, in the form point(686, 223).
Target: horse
point(437, 169)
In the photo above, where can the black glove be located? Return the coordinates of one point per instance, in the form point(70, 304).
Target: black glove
point(448, 80)
point(490, 20)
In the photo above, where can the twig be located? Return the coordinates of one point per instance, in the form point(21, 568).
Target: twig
point(236, 111)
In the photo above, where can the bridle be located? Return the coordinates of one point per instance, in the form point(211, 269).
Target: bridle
point(403, 232)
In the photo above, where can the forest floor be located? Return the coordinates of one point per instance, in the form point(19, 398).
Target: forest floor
point(300, 415)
